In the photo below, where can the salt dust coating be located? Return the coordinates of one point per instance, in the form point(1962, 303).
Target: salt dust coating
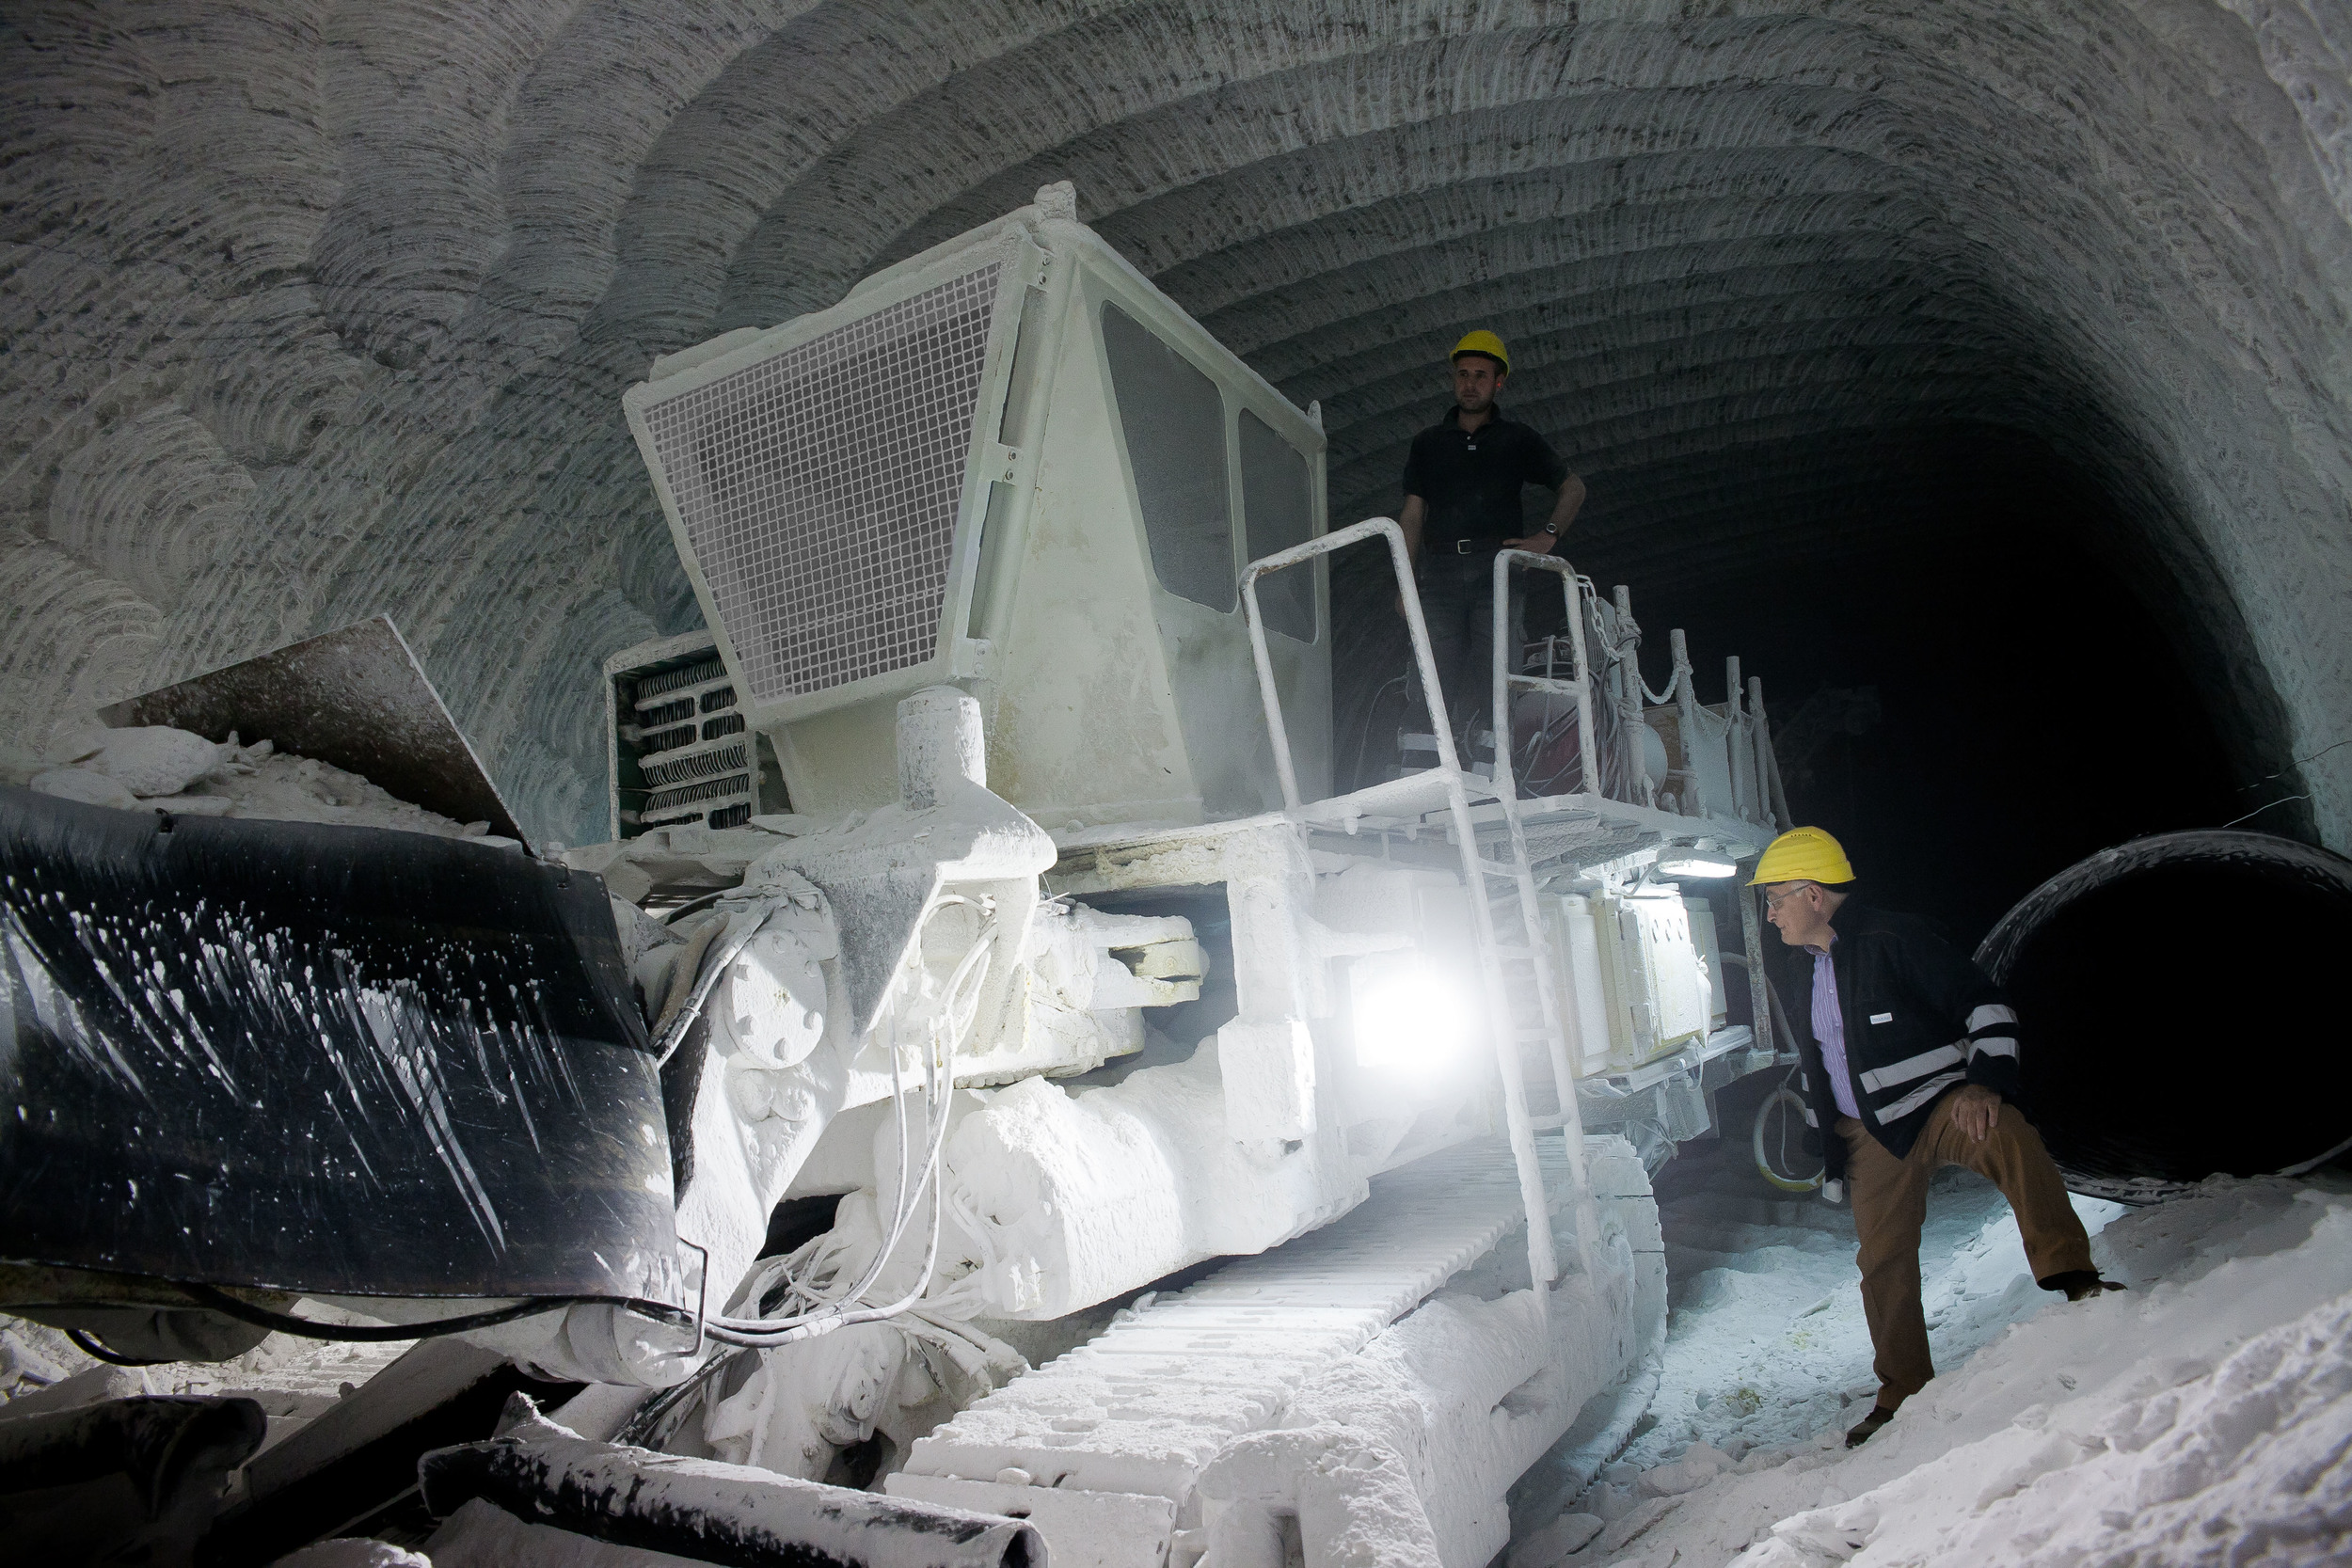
point(321, 319)
point(1382, 1377)
point(160, 768)
point(2203, 1416)
point(311, 322)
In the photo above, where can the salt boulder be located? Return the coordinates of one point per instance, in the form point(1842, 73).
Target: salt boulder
point(90, 789)
point(1698, 1466)
point(17, 764)
point(1552, 1544)
point(155, 759)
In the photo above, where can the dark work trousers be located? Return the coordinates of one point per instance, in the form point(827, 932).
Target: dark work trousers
point(1890, 1204)
point(1458, 599)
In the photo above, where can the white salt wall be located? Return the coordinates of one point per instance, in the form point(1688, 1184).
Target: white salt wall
point(313, 311)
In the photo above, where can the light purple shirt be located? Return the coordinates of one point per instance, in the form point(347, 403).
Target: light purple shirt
point(1829, 1031)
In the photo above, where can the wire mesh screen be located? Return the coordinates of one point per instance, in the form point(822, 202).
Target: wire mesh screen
point(818, 488)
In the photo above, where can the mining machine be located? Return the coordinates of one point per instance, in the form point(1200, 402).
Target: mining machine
point(990, 1097)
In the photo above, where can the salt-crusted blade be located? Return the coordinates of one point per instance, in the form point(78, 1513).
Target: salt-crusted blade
point(702, 1510)
point(329, 1060)
point(356, 697)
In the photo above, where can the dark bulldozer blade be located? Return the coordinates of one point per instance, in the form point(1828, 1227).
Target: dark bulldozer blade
point(323, 1060)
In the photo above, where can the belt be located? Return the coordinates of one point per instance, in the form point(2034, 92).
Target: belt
point(1487, 545)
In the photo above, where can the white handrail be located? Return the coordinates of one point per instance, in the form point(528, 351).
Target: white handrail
point(1297, 555)
point(1543, 1265)
point(1504, 743)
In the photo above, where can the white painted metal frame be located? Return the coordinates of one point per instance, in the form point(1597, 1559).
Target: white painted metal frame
point(1543, 1263)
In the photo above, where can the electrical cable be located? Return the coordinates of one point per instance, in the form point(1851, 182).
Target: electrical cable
point(674, 1036)
point(89, 1345)
point(760, 1333)
point(1371, 714)
point(309, 1328)
point(668, 916)
point(742, 1335)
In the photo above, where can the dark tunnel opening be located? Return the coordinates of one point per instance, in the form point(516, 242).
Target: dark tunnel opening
point(1965, 681)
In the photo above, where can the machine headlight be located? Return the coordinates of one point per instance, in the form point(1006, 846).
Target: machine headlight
point(1412, 1018)
point(1696, 860)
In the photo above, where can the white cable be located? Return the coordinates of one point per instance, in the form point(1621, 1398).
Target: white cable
point(903, 1200)
point(841, 1311)
point(726, 1328)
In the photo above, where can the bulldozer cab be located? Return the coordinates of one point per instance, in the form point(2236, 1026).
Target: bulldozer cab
point(1009, 464)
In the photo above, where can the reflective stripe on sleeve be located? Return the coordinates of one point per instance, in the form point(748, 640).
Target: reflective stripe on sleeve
point(1808, 1118)
point(1910, 1068)
point(1918, 1097)
point(1992, 1012)
point(1996, 1045)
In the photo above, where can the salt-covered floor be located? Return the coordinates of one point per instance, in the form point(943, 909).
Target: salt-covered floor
point(2204, 1417)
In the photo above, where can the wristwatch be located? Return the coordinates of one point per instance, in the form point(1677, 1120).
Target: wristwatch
point(1553, 532)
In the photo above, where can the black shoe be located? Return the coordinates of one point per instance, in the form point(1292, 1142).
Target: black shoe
point(2080, 1284)
point(1877, 1417)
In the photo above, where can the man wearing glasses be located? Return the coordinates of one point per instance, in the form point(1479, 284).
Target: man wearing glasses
point(1910, 1057)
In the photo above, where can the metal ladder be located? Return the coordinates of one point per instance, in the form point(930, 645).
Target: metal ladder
point(1516, 971)
point(1516, 910)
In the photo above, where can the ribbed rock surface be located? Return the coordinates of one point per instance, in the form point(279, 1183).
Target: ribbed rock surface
point(313, 311)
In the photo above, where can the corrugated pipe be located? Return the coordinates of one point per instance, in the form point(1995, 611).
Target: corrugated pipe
point(2182, 1001)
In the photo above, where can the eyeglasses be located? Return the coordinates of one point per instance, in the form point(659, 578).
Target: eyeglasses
point(1774, 900)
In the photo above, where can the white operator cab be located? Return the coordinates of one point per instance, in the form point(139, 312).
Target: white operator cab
point(1012, 464)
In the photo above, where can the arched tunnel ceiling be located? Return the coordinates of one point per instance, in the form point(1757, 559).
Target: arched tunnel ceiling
point(315, 312)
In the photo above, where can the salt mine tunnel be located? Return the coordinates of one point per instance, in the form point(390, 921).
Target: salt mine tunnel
point(732, 639)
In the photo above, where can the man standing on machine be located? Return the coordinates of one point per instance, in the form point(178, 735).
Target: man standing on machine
point(1462, 485)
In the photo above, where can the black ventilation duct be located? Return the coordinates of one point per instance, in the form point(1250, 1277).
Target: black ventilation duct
point(2183, 999)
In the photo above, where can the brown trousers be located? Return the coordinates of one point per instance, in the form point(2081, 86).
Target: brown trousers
point(1890, 1204)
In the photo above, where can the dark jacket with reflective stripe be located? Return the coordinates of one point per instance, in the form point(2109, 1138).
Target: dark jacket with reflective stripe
point(1921, 1018)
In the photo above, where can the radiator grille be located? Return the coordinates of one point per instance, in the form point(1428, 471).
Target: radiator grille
point(724, 759)
point(671, 680)
point(818, 488)
point(686, 795)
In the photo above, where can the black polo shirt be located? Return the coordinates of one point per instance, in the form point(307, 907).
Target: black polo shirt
point(1470, 481)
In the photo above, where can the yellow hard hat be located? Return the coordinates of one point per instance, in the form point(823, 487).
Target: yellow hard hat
point(1802, 855)
point(1485, 342)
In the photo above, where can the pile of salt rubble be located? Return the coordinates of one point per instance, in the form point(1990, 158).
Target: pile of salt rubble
point(2203, 1417)
point(154, 768)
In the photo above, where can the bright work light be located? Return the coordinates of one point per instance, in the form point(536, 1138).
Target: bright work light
point(1412, 1019)
point(1697, 859)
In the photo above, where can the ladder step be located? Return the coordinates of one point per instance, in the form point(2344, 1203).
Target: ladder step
point(1547, 1124)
